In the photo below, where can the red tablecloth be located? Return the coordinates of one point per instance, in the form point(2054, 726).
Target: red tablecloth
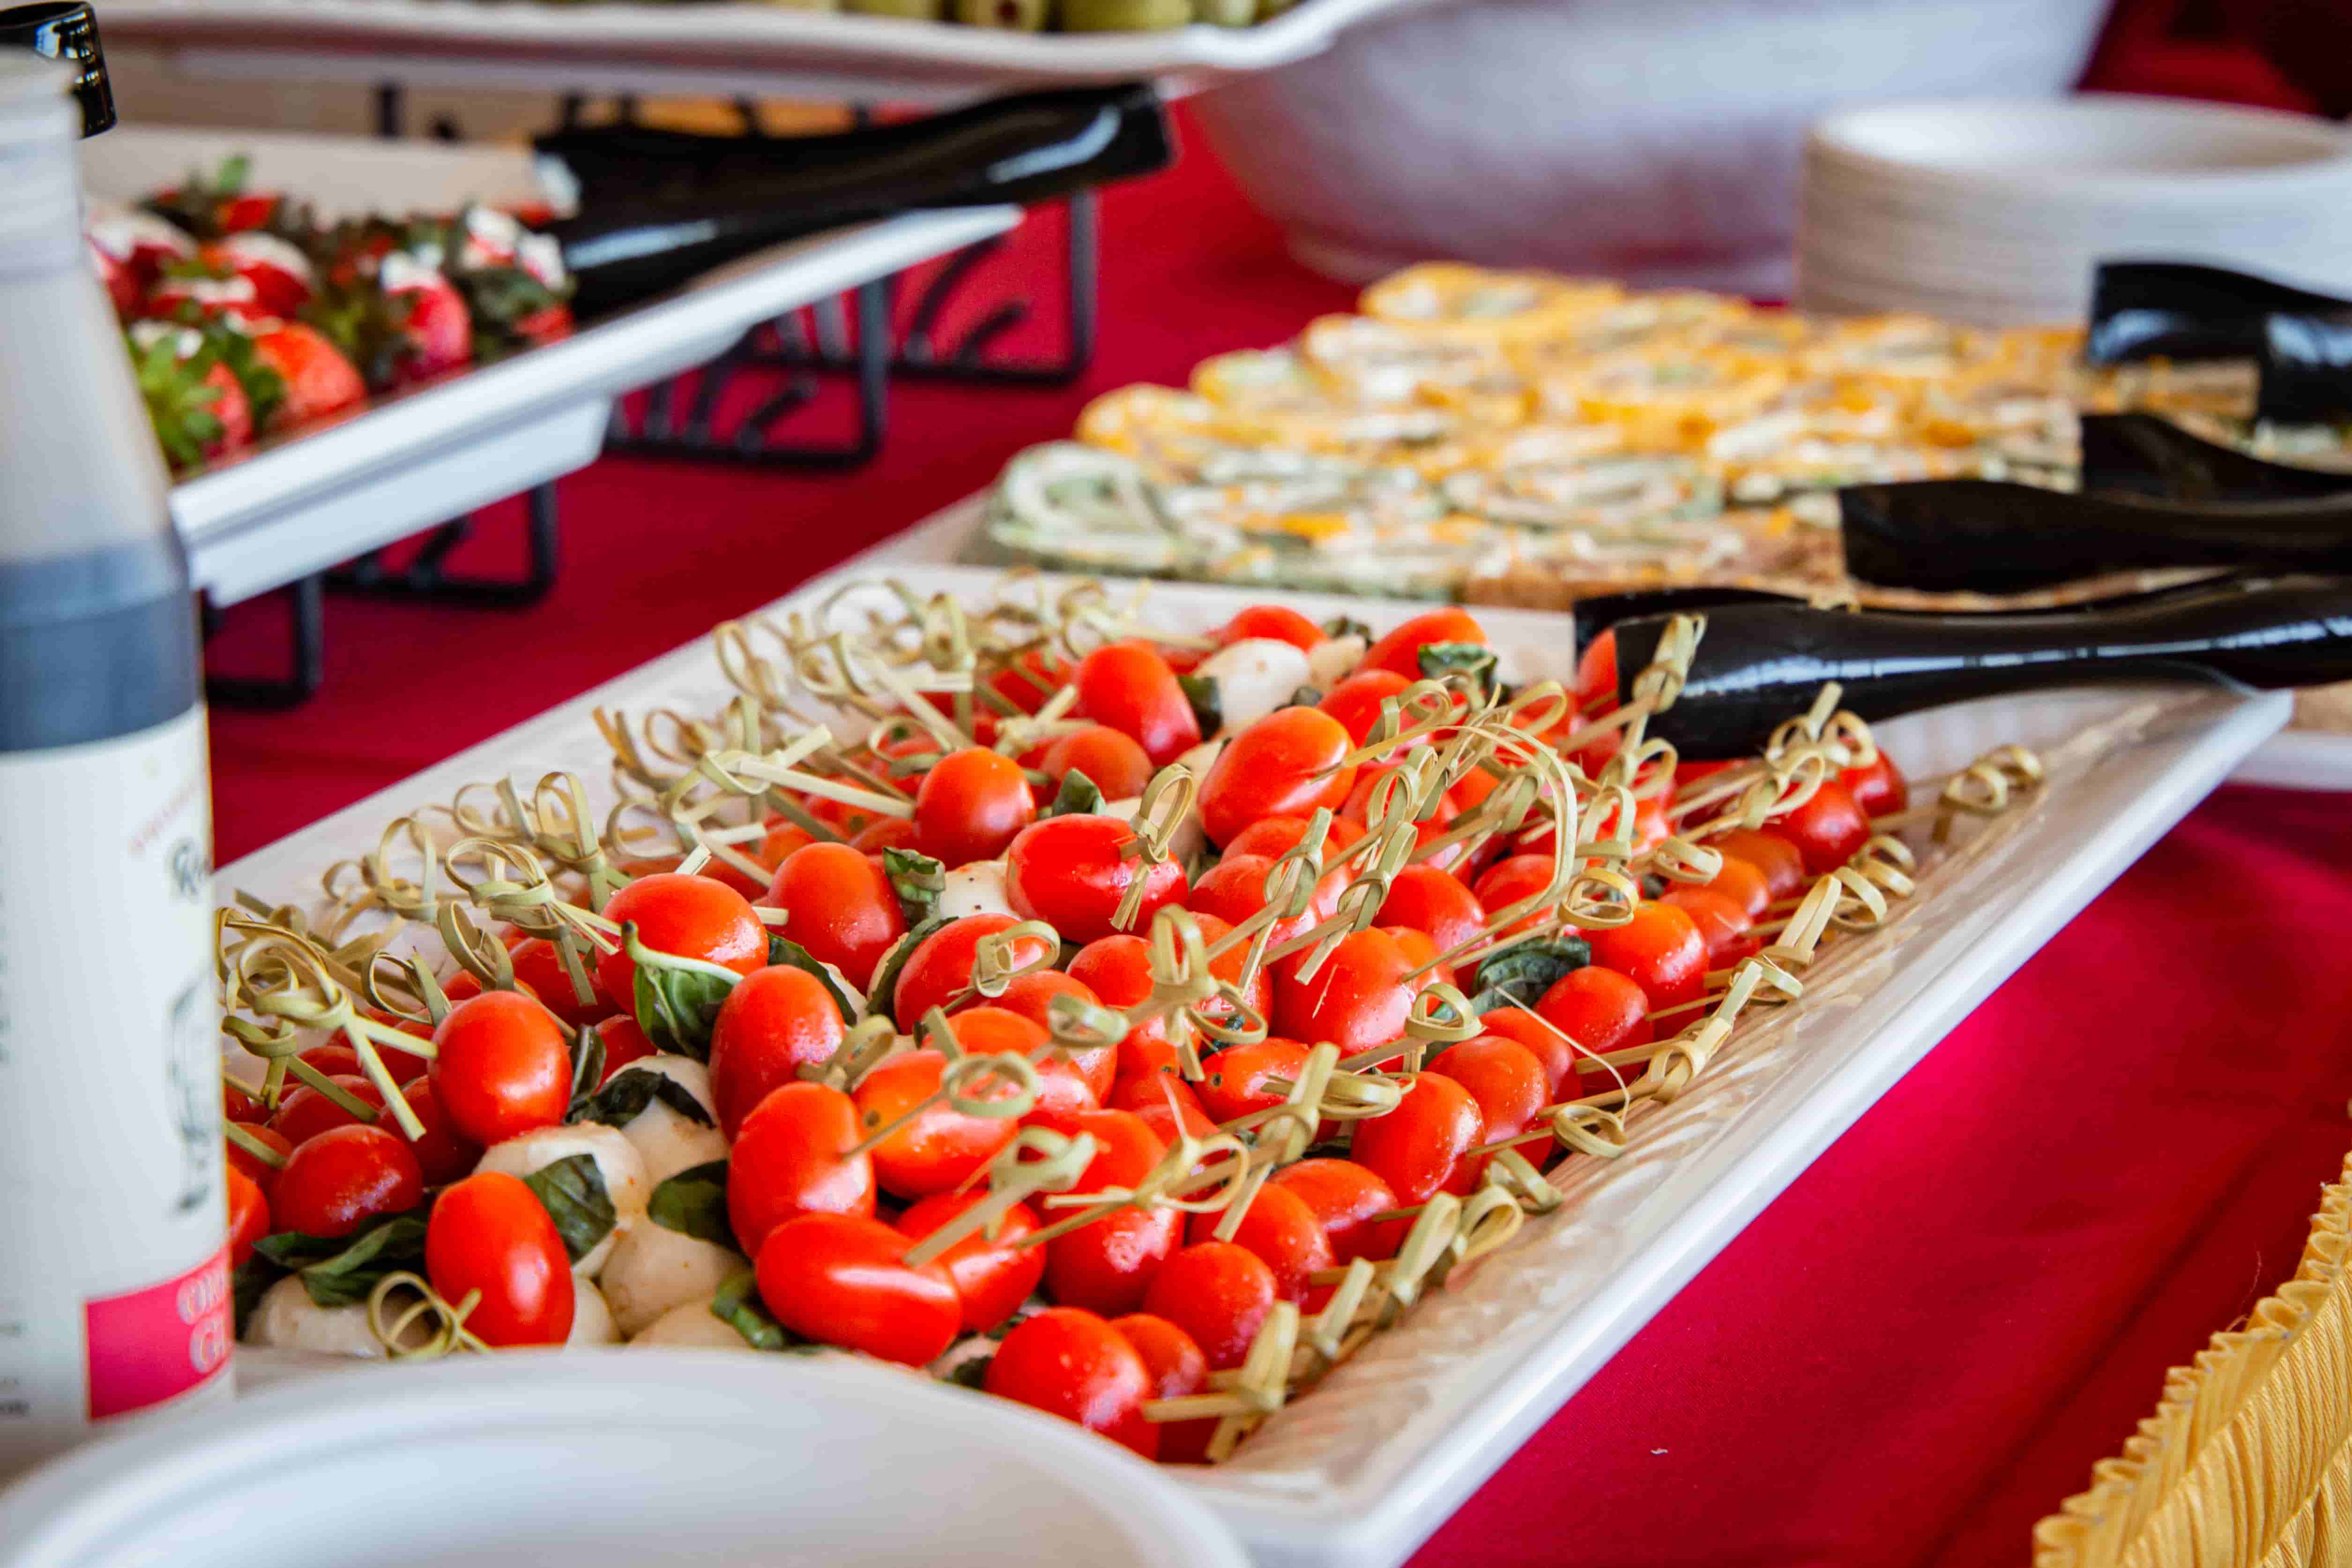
point(1909, 1358)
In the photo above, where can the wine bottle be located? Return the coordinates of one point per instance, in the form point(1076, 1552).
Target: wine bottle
point(114, 1284)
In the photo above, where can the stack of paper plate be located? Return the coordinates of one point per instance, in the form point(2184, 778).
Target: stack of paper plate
point(1996, 212)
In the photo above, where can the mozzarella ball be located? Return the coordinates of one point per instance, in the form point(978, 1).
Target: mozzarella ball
point(689, 1326)
point(667, 1142)
point(977, 888)
point(1333, 660)
point(592, 1318)
point(1254, 677)
point(286, 1318)
point(617, 1162)
point(654, 1269)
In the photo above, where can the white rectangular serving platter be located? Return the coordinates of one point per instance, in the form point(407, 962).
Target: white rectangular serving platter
point(334, 488)
point(1359, 1472)
point(739, 46)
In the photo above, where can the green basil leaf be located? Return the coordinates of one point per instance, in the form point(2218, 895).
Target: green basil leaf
point(1208, 702)
point(1077, 797)
point(1304, 696)
point(1475, 660)
point(972, 1374)
point(1348, 626)
point(587, 1072)
point(917, 880)
point(340, 1271)
point(1653, 887)
point(1518, 977)
point(249, 1282)
point(694, 1203)
point(676, 1007)
point(738, 1306)
point(572, 1192)
point(878, 1003)
point(625, 1099)
point(784, 950)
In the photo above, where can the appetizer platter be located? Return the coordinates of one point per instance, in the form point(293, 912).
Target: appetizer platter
point(1296, 1034)
point(1519, 438)
point(904, 51)
point(295, 500)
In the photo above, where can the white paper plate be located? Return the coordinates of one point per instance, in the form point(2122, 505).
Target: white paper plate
point(684, 1458)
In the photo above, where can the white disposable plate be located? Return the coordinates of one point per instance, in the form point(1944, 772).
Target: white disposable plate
point(321, 494)
point(737, 48)
point(685, 1458)
point(1355, 1475)
point(2300, 759)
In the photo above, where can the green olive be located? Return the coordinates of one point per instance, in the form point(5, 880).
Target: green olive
point(1012, 15)
point(921, 10)
point(1124, 15)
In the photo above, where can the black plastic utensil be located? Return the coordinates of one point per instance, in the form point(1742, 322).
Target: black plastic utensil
point(2300, 340)
point(1758, 665)
point(657, 208)
point(1987, 536)
point(2142, 455)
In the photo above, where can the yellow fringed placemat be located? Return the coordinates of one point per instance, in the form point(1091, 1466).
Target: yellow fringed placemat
point(2247, 1461)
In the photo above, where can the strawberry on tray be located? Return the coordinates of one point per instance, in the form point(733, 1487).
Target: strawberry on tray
point(245, 316)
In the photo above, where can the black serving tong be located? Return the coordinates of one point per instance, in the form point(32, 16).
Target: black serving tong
point(1761, 662)
point(2300, 340)
point(2143, 455)
point(657, 207)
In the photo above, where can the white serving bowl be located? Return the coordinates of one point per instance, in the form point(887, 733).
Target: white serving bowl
point(540, 1462)
point(1996, 211)
point(1652, 141)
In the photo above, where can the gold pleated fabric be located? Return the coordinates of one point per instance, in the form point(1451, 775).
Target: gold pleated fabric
point(2247, 1462)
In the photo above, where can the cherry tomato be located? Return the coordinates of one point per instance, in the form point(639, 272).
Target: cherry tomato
point(502, 1067)
point(1722, 924)
point(624, 1042)
point(1660, 950)
point(339, 1060)
point(1503, 1076)
point(1356, 702)
point(775, 1023)
point(1283, 1234)
point(1603, 1012)
point(303, 1113)
point(1235, 889)
point(782, 841)
point(791, 1158)
point(884, 833)
point(261, 1173)
point(1276, 836)
point(1512, 879)
point(540, 969)
point(1173, 1115)
point(1063, 1093)
point(1235, 1085)
point(1359, 998)
point(489, 1233)
point(687, 917)
point(844, 1280)
point(840, 908)
point(1741, 883)
point(942, 1145)
point(237, 1105)
point(1217, 1293)
point(1346, 1199)
point(1596, 675)
point(1032, 996)
point(1071, 872)
point(1542, 1041)
point(1278, 622)
point(337, 1181)
point(1072, 1363)
point(1030, 679)
point(1434, 902)
point(249, 1215)
point(443, 1154)
point(1106, 1265)
point(1155, 1085)
point(991, 1277)
point(1400, 650)
point(1285, 765)
point(1358, 809)
point(1650, 828)
point(1176, 1367)
point(1827, 830)
point(937, 973)
point(970, 806)
point(713, 869)
point(1117, 969)
point(1878, 788)
point(1130, 688)
point(1416, 1147)
point(1781, 862)
point(1112, 762)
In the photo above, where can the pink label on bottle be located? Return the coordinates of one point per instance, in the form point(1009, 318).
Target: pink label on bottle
point(154, 1345)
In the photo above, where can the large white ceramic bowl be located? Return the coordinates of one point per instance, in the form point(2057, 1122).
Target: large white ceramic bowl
point(1997, 211)
point(1653, 140)
point(540, 1462)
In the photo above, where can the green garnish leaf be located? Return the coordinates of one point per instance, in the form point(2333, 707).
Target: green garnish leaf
point(738, 1306)
point(587, 1072)
point(878, 1001)
point(972, 1374)
point(1077, 797)
point(572, 1192)
point(917, 880)
point(249, 1283)
point(676, 1007)
point(1518, 977)
point(694, 1203)
point(625, 1099)
point(340, 1271)
point(783, 949)
point(1475, 660)
point(1347, 626)
point(1208, 702)
point(1304, 696)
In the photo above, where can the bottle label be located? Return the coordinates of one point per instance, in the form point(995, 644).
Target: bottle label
point(112, 1286)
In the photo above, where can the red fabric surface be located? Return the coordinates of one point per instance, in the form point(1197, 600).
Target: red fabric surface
point(1908, 1358)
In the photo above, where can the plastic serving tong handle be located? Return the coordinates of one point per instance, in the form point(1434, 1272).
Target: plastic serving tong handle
point(1758, 663)
point(2300, 341)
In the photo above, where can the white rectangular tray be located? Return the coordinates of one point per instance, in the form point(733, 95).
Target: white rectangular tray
point(1356, 1474)
point(301, 502)
point(736, 47)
